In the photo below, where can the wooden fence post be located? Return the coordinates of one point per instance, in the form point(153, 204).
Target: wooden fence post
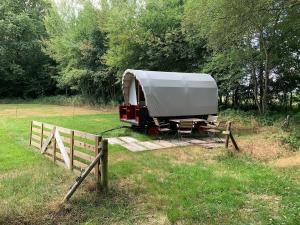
point(54, 149)
point(104, 165)
point(30, 137)
point(234, 142)
point(72, 150)
point(82, 176)
point(42, 135)
point(97, 172)
point(228, 129)
point(229, 135)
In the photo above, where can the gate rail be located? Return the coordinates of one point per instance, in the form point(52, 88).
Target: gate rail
point(72, 149)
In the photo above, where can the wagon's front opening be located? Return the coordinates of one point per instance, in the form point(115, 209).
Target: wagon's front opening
point(134, 109)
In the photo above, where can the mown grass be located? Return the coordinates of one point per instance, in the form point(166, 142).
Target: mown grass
point(176, 186)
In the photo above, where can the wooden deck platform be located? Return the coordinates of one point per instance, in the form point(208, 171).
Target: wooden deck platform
point(135, 145)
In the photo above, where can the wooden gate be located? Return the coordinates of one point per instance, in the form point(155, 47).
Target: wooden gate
point(72, 149)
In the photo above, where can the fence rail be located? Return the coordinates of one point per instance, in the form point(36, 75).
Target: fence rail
point(79, 148)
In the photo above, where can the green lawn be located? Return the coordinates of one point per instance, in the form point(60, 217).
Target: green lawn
point(175, 186)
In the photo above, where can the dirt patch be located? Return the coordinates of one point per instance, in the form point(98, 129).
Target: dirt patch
point(154, 219)
point(288, 161)
point(262, 148)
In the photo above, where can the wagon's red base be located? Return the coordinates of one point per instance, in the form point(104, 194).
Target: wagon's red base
point(138, 116)
point(129, 113)
point(135, 114)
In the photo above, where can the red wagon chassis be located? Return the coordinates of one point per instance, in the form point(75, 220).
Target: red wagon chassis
point(138, 116)
point(135, 114)
point(130, 113)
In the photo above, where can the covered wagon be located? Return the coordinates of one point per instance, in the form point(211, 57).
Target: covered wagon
point(166, 95)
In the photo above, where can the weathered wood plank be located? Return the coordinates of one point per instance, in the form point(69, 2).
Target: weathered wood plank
point(234, 142)
point(84, 135)
point(228, 129)
point(46, 133)
point(54, 149)
point(81, 178)
point(115, 140)
point(71, 150)
point(41, 136)
point(62, 148)
point(36, 130)
point(134, 147)
point(57, 162)
point(149, 145)
point(97, 169)
point(35, 137)
point(35, 144)
point(64, 130)
point(104, 165)
point(128, 139)
point(164, 144)
point(81, 144)
point(30, 133)
point(79, 164)
point(83, 156)
point(48, 126)
point(58, 155)
point(48, 140)
point(66, 140)
point(36, 123)
point(50, 151)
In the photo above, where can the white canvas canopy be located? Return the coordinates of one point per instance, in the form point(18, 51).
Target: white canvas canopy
point(170, 94)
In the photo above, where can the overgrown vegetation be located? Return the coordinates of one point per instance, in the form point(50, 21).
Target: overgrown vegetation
point(79, 47)
point(251, 119)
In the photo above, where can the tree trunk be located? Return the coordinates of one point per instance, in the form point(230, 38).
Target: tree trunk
point(291, 100)
point(284, 104)
point(226, 100)
point(266, 83)
point(266, 92)
point(220, 99)
point(255, 88)
point(261, 88)
point(236, 97)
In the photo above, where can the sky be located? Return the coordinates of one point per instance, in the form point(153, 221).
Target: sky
point(96, 3)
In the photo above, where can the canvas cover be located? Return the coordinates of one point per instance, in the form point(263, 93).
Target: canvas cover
point(170, 94)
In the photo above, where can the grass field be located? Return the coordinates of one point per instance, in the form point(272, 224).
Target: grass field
point(186, 185)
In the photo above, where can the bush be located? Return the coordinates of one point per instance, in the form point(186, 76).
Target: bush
point(293, 140)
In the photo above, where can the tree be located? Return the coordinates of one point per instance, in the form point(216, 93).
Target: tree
point(241, 24)
point(24, 68)
point(227, 69)
point(77, 44)
point(150, 37)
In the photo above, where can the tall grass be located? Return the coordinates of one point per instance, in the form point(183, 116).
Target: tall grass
point(76, 100)
point(289, 136)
